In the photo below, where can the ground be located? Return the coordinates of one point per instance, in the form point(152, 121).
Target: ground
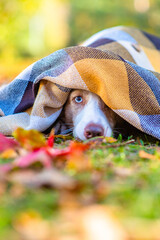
point(113, 182)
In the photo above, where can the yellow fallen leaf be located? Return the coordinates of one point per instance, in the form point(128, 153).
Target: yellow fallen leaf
point(9, 153)
point(29, 139)
point(146, 155)
point(110, 139)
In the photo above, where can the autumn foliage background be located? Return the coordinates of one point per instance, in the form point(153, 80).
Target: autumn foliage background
point(31, 29)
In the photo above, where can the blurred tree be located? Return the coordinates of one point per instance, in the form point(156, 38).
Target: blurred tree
point(31, 28)
point(14, 17)
point(48, 28)
point(94, 15)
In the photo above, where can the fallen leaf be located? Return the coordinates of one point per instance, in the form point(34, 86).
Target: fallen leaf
point(36, 149)
point(110, 139)
point(78, 163)
point(5, 168)
point(33, 157)
point(76, 159)
point(77, 147)
point(29, 139)
point(47, 177)
point(50, 140)
point(7, 143)
point(9, 153)
point(45, 155)
point(146, 155)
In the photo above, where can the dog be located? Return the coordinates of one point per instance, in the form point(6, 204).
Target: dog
point(87, 116)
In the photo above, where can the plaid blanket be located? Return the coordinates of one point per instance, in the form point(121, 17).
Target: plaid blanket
point(121, 65)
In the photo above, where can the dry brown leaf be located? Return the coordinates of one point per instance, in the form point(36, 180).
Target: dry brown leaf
point(146, 155)
point(47, 177)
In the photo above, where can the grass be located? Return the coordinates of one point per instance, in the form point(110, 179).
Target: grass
point(117, 177)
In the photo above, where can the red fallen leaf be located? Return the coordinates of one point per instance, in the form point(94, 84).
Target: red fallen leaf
point(36, 156)
point(53, 153)
point(78, 147)
point(46, 154)
point(41, 155)
point(40, 150)
point(6, 168)
point(50, 141)
point(76, 160)
point(74, 147)
point(7, 143)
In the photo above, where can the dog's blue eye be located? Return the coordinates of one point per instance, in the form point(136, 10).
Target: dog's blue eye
point(78, 99)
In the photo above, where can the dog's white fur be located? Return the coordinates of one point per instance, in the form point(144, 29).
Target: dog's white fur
point(90, 114)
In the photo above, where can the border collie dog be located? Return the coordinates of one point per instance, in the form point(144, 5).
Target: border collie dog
point(87, 116)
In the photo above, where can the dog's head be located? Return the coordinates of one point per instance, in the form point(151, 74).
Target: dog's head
point(88, 115)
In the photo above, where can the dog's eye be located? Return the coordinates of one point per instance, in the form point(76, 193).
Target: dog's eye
point(78, 99)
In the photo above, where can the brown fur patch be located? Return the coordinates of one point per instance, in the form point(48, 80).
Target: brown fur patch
point(72, 108)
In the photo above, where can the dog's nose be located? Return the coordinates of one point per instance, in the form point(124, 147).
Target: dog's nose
point(93, 130)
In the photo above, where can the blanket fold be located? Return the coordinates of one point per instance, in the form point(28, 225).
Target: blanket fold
point(121, 65)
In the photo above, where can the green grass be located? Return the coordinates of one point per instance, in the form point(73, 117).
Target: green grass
point(118, 177)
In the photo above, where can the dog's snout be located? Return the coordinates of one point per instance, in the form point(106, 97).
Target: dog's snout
point(93, 130)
